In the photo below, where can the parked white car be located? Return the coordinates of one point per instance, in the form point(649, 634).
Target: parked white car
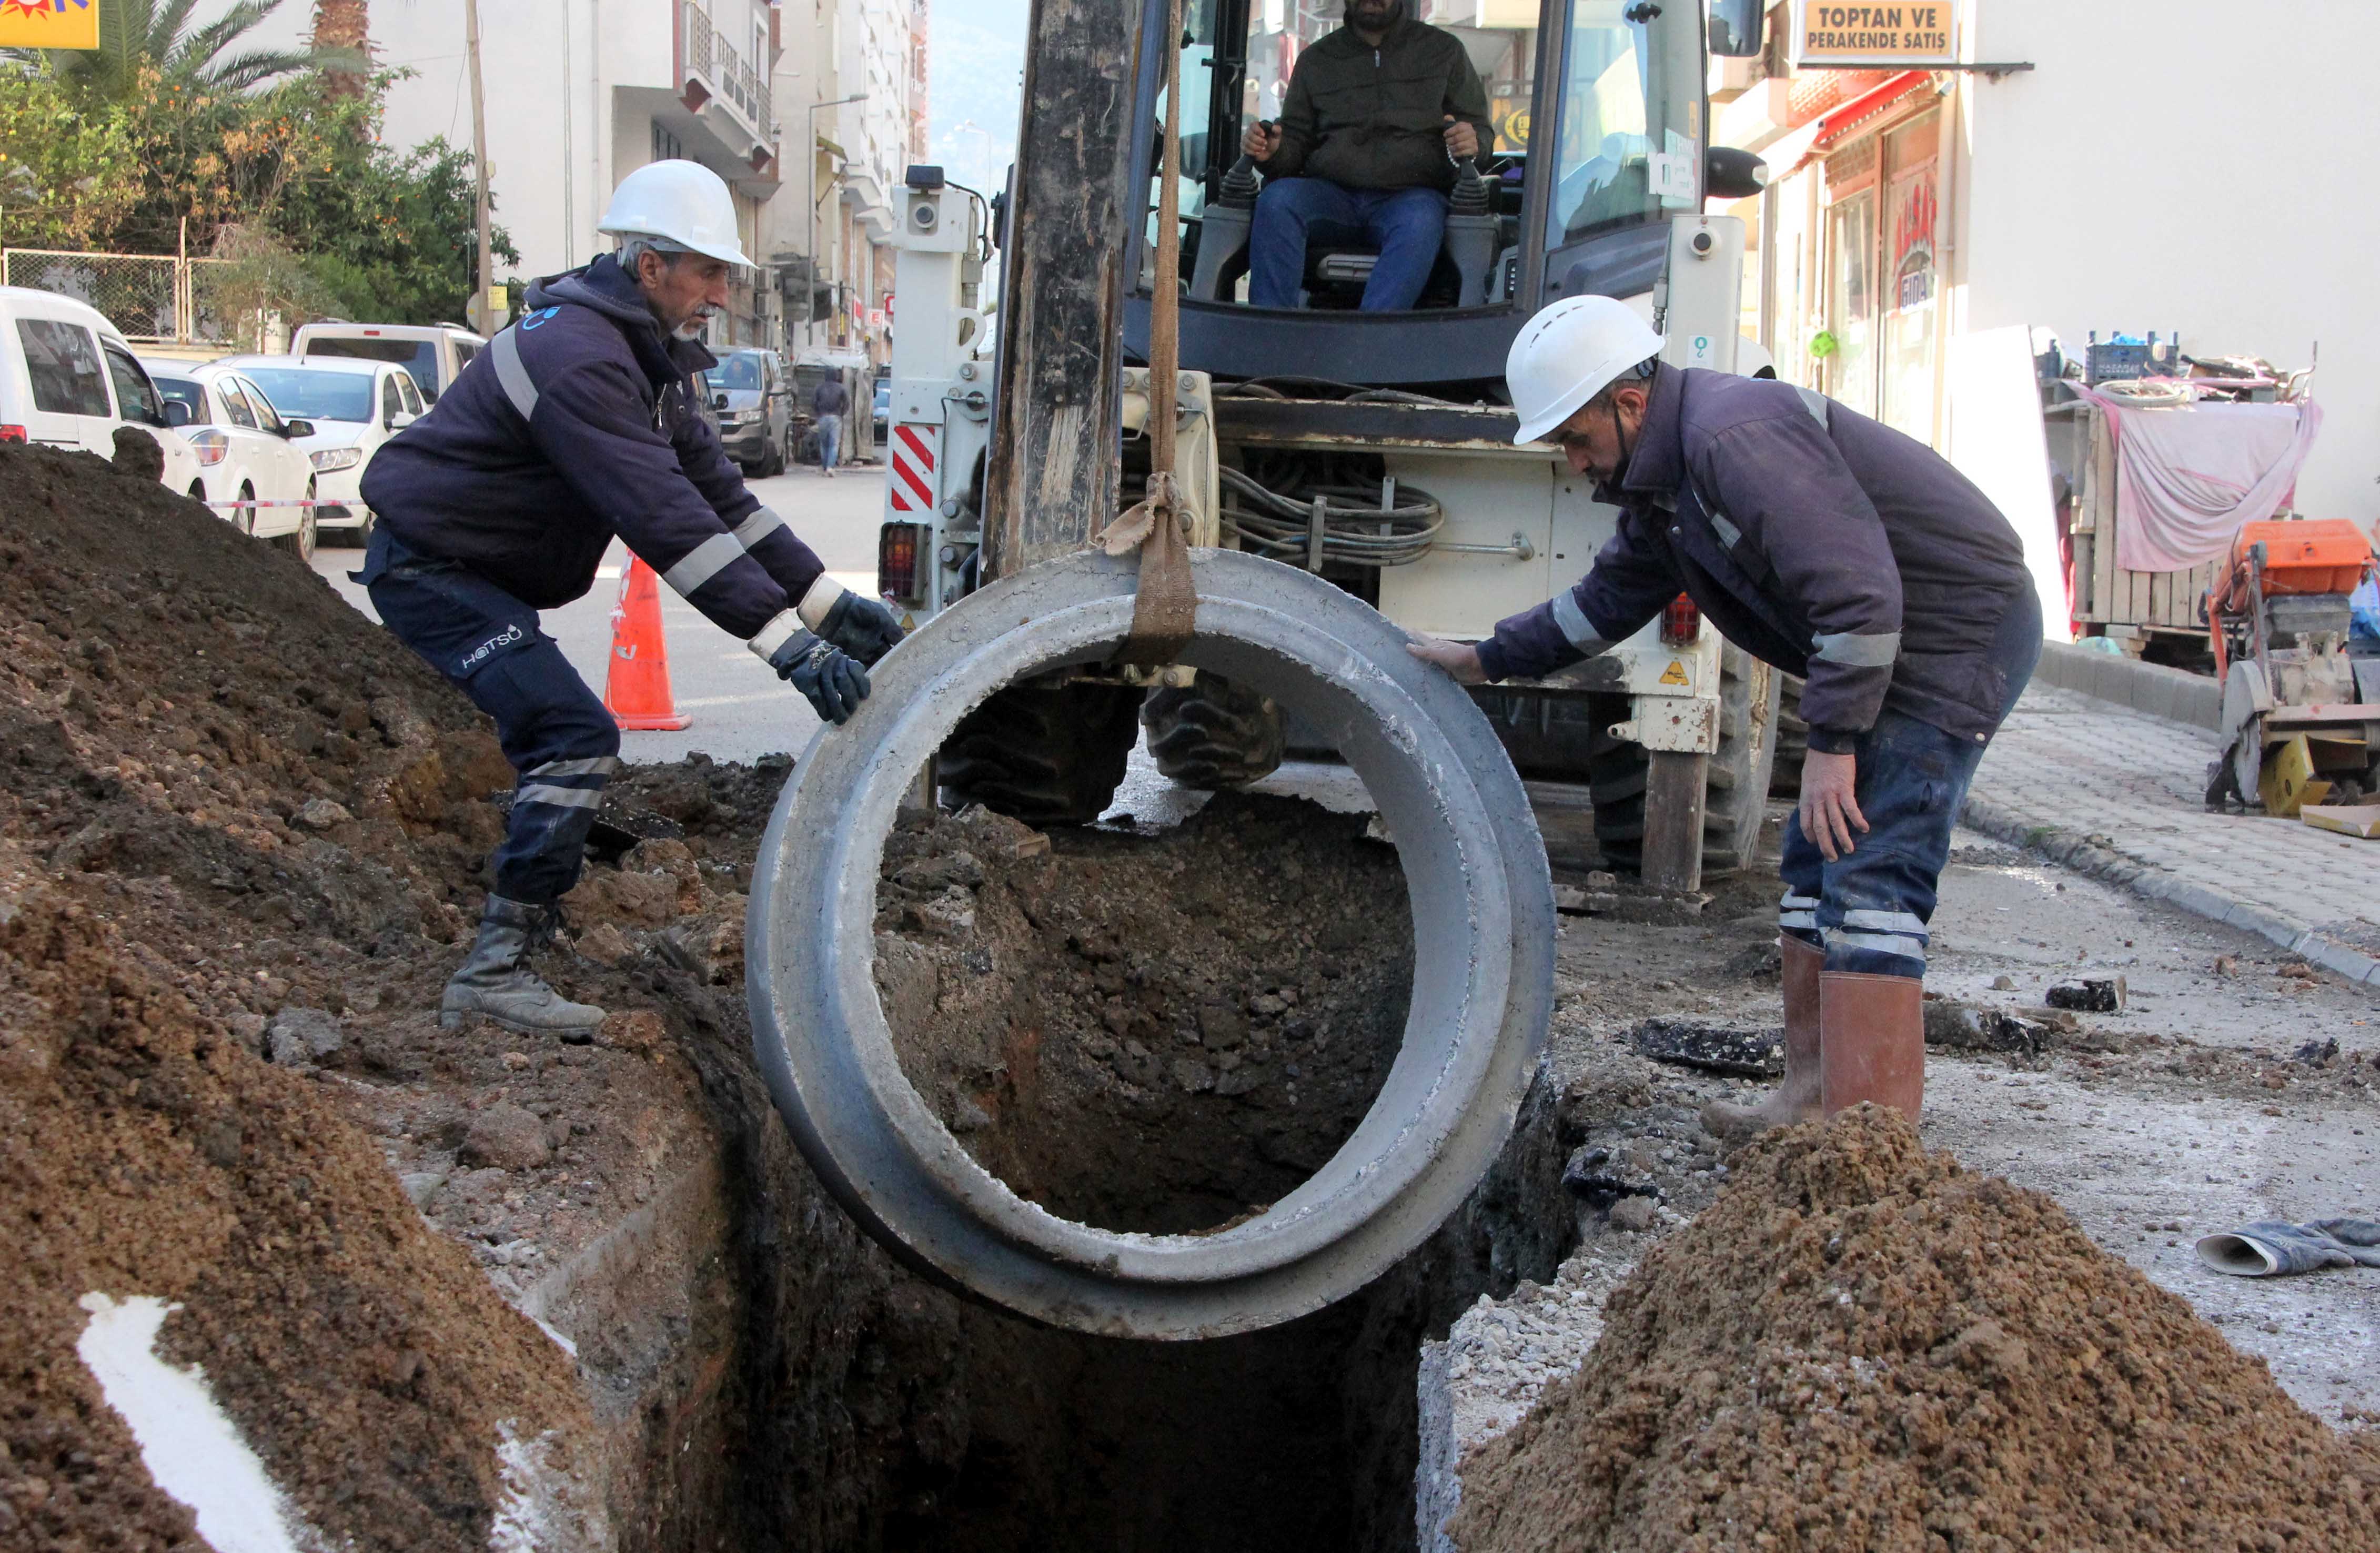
point(251, 469)
point(68, 380)
point(433, 353)
point(353, 408)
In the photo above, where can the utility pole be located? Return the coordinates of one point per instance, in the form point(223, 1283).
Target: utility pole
point(809, 210)
point(487, 292)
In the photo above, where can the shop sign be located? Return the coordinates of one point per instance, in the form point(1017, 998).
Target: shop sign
point(1907, 35)
point(49, 24)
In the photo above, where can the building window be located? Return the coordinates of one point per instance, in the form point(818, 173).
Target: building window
point(666, 146)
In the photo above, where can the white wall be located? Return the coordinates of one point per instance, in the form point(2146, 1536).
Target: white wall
point(2196, 166)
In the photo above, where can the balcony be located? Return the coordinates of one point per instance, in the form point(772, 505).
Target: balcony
point(728, 93)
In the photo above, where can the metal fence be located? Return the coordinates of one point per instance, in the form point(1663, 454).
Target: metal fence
point(151, 298)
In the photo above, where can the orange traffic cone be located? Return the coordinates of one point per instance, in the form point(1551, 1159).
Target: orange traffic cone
point(636, 684)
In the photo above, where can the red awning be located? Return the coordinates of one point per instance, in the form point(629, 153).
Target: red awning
point(1843, 120)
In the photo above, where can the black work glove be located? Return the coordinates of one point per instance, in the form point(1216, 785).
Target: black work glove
point(821, 670)
point(861, 626)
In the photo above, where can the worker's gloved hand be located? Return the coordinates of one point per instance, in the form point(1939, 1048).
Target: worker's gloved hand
point(863, 627)
point(833, 682)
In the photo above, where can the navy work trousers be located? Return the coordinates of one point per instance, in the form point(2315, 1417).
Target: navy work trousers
point(1869, 909)
point(1405, 225)
point(559, 737)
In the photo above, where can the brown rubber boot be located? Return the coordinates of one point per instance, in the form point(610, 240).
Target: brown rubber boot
point(1871, 1042)
point(1796, 1099)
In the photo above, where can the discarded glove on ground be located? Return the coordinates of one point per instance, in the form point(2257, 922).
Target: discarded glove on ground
point(2271, 1247)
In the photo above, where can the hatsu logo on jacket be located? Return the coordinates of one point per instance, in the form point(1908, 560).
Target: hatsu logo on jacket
point(482, 653)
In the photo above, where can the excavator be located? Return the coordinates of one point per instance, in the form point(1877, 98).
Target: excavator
point(1372, 448)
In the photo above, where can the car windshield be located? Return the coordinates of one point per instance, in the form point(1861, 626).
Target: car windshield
point(183, 392)
point(416, 356)
point(316, 395)
point(739, 371)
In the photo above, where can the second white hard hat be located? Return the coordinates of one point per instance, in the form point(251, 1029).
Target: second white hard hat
point(1569, 352)
point(684, 202)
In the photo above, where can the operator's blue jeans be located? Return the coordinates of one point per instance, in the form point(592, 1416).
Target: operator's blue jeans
point(830, 438)
point(1405, 225)
point(1869, 909)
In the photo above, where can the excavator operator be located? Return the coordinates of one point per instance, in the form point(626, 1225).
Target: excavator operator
point(1378, 114)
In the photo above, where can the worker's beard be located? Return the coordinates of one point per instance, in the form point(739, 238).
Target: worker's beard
point(693, 327)
point(1374, 16)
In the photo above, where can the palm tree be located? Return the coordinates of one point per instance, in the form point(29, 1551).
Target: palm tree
point(344, 26)
point(157, 35)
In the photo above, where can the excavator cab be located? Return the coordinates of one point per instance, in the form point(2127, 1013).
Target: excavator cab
point(1597, 139)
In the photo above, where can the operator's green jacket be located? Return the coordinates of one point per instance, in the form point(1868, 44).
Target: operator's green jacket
point(1375, 118)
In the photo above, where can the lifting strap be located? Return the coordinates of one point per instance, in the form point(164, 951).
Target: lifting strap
point(1165, 610)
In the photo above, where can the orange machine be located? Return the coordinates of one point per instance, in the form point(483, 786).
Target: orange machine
point(2292, 713)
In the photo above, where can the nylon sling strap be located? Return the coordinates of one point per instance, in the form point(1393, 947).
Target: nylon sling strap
point(1165, 605)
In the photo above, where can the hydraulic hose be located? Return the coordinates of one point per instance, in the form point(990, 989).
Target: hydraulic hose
point(1348, 525)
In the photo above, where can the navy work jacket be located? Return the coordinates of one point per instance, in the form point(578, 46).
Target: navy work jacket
point(1813, 538)
point(576, 424)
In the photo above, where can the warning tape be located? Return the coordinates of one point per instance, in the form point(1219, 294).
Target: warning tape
point(236, 505)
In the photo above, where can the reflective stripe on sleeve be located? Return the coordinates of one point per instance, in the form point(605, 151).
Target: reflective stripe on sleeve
point(1860, 650)
point(758, 526)
point(702, 562)
point(1573, 623)
point(511, 375)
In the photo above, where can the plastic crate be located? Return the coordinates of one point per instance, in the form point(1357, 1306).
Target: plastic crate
point(2120, 359)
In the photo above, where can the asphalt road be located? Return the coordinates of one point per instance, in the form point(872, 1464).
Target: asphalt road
point(741, 711)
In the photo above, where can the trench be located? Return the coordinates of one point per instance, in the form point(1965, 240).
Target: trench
point(1155, 1030)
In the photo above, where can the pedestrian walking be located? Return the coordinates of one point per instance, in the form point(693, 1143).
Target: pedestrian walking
point(1828, 545)
point(830, 404)
point(574, 424)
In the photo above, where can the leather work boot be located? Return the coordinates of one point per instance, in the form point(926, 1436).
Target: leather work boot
point(1796, 1099)
point(1871, 1042)
point(496, 983)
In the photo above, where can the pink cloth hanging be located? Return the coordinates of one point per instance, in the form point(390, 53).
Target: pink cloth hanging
point(2187, 477)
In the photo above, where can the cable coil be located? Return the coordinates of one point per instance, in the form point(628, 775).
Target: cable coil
point(1347, 524)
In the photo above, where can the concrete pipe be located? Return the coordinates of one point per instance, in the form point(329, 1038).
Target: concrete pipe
point(1483, 975)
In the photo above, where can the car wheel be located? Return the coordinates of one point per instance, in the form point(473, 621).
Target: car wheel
point(199, 491)
point(244, 514)
point(301, 543)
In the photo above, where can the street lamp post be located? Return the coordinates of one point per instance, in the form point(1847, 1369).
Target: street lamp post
point(810, 214)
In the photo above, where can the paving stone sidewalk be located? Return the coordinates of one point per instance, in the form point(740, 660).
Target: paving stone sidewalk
point(2118, 794)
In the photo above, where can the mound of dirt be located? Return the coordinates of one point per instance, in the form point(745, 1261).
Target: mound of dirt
point(227, 799)
point(1147, 1032)
point(1862, 1346)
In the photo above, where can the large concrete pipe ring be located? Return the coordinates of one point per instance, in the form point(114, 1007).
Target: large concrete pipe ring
point(1483, 973)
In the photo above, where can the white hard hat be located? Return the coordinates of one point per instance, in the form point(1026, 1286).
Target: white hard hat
point(1752, 359)
point(1569, 352)
point(683, 202)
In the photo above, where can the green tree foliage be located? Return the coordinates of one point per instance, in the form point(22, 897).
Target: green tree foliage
point(139, 38)
point(176, 161)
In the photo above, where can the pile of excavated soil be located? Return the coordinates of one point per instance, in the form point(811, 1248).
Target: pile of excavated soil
point(1860, 1345)
point(1155, 1032)
point(227, 798)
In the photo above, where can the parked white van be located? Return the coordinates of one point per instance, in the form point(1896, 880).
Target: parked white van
point(68, 380)
point(433, 353)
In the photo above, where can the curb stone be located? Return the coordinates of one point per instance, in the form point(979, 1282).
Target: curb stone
point(2093, 860)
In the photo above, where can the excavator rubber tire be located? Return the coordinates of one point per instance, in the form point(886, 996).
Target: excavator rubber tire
point(1211, 734)
point(1792, 739)
point(1483, 957)
point(1736, 789)
point(1046, 754)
